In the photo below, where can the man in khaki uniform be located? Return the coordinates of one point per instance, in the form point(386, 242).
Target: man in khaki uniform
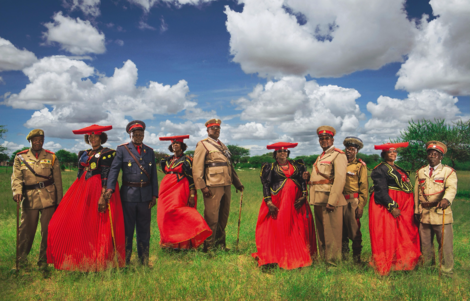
point(36, 182)
point(355, 192)
point(326, 194)
point(214, 174)
point(435, 189)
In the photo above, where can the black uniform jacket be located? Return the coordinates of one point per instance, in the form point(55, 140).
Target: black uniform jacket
point(187, 163)
point(273, 178)
point(385, 177)
point(98, 162)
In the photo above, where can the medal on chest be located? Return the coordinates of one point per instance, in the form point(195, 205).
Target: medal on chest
point(93, 165)
point(129, 164)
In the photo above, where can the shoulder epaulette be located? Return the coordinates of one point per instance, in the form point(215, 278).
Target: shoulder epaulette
point(123, 144)
point(48, 151)
point(339, 151)
point(22, 152)
point(448, 167)
point(378, 165)
point(363, 163)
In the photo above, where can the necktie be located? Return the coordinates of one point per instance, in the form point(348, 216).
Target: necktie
point(430, 171)
point(37, 155)
point(322, 154)
point(138, 148)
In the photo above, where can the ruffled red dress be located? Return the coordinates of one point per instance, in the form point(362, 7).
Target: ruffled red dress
point(181, 226)
point(79, 237)
point(395, 241)
point(289, 238)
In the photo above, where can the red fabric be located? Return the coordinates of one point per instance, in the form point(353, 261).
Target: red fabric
point(289, 239)
point(430, 171)
point(433, 146)
point(388, 146)
point(79, 237)
point(395, 242)
point(138, 147)
point(281, 145)
point(174, 138)
point(137, 125)
point(212, 124)
point(181, 226)
point(326, 132)
point(93, 129)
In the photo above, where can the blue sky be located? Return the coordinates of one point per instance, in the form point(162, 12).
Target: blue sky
point(267, 76)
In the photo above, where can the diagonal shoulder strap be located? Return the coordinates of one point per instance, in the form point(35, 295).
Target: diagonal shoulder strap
point(137, 162)
point(220, 149)
point(31, 169)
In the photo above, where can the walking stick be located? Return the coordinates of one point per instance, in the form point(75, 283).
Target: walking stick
point(239, 219)
point(17, 234)
point(112, 234)
point(442, 242)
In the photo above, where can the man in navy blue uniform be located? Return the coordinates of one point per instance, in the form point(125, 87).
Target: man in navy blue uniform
point(139, 189)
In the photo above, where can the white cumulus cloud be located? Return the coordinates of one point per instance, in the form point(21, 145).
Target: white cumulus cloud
point(88, 7)
point(322, 38)
point(440, 58)
point(74, 35)
point(146, 5)
point(12, 58)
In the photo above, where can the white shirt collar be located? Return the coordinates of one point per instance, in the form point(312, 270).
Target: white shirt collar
point(217, 141)
point(435, 167)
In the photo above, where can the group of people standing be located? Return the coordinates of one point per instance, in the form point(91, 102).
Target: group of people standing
point(92, 226)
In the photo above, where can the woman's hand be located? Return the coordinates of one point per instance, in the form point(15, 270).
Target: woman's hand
point(395, 212)
point(306, 175)
point(102, 204)
point(299, 202)
point(273, 210)
point(191, 201)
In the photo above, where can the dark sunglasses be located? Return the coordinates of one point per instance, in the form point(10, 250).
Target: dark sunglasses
point(282, 151)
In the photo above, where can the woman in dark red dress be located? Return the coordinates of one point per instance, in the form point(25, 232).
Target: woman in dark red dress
point(180, 224)
point(393, 232)
point(81, 231)
point(285, 233)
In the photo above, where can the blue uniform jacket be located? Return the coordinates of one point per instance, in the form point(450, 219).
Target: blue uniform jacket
point(132, 173)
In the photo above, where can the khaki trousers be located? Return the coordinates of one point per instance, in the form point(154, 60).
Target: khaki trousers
point(330, 230)
point(28, 226)
point(427, 233)
point(216, 212)
point(351, 228)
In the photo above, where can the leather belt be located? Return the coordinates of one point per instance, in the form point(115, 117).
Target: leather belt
point(320, 182)
point(136, 184)
point(174, 173)
point(429, 205)
point(39, 185)
point(214, 164)
point(351, 196)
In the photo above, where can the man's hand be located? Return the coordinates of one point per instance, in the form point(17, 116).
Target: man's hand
point(359, 212)
point(107, 195)
point(299, 202)
point(330, 208)
point(306, 175)
point(207, 192)
point(191, 201)
point(443, 204)
point(18, 197)
point(153, 202)
point(241, 188)
point(396, 212)
point(273, 210)
point(417, 217)
point(102, 204)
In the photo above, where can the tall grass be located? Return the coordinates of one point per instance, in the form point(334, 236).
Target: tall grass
point(232, 275)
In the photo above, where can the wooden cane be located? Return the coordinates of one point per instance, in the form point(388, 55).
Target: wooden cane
point(239, 219)
point(112, 234)
point(442, 242)
point(17, 234)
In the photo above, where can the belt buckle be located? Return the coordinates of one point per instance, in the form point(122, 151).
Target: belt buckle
point(41, 185)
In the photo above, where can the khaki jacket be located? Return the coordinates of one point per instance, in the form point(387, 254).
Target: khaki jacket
point(356, 181)
point(212, 176)
point(333, 164)
point(441, 185)
point(46, 164)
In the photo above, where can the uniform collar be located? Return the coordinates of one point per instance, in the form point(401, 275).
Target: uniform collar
point(42, 152)
point(329, 150)
point(436, 169)
point(355, 161)
point(216, 141)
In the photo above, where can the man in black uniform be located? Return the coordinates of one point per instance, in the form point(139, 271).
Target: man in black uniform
point(139, 190)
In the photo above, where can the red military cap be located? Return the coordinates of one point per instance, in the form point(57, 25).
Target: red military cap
point(389, 146)
point(436, 145)
point(135, 125)
point(93, 129)
point(281, 145)
point(174, 138)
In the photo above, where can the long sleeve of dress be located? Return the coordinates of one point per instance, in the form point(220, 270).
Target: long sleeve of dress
point(266, 173)
point(80, 167)
point(381, 189)
point(302, 169)
point(105, 163)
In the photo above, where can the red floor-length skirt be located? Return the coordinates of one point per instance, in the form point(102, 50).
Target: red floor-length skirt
point(181, 226)
point(289, 239)
point(79, 237)
point(395, 242)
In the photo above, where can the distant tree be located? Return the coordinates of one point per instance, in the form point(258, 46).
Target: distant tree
point(159, 156)
point(370, 160)
point(3, 149)
point(308, 160)
point(257, 161)
point(12, 158)
point(189, 153)
point(66, 157)
point(455, 136)
point(4, 157)
point(238, 153)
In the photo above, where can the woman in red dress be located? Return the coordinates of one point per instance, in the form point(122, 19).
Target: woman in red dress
point(82, 228)
point(285, 233)
point(180, 224)
point(393, 232)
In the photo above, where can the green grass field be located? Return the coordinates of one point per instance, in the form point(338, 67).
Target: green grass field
point(233, 275)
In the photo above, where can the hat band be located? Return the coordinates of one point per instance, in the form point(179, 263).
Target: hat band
point(138, 125)
point(213, 124)
point(434, 146)
point(325, 132)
